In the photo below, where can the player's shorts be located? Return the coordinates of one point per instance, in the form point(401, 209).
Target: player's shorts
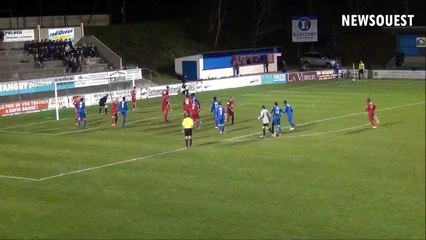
point(266, 125)
point(290, 118)
point(188, 111)
point(114, 114)
point(165, 108)
point(220, 121)
point(187, 132)
point(195, 116)
point(276, 121)
point(101, 104)
point(133, 100)
point(81, 114)
point(371, 116)
point(229, 113)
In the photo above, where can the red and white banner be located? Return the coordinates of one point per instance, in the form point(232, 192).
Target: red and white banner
point(23, 107)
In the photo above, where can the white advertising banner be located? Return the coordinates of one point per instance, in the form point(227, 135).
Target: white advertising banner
point(304, 29)
point(399, 74)
point(244, 81)
point(20, 35)
point(61, 34)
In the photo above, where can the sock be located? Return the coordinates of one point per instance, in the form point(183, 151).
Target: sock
point(232, 119)
point(273, 128)
point(279, 130)
point(100, 110)
point(84, 123)
point(190, 142)
point(166, 116)
point(264, 132)
point(223, 128)
point(106, 111)
point(186, 142)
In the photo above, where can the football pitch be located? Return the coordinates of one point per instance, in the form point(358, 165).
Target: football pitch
point(332, 177)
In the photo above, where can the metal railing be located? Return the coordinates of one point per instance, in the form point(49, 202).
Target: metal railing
point(103, 50)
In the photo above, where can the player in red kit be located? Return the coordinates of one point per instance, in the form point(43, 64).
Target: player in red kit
point(165, 104)
point(133, 94)
point(114, 112)
point(187, 104)
point(76, 100)
point(370, 108)
point(195, 114)
point(230, 110)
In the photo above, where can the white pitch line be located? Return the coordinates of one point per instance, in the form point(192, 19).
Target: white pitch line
point(285, 136)
point(18, 178)
point(332, 118)
point(98, 127)
point(229, 139)
point(25, 133)
point(111, 164)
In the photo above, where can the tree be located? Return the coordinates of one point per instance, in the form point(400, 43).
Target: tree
point(264, 20)
point(217, 21)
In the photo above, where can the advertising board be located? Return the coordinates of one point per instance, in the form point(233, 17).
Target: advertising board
point(18, 35)
point(61, 34)
point(399, 74)
point(278, 78)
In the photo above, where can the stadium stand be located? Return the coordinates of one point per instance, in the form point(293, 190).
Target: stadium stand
point(47, 59)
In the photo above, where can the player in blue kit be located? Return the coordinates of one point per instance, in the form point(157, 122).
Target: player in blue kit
point(288, 110)
point(213, 110)
point(276, 112)
point(220, 118)
point(123, 110)
point(81, 109)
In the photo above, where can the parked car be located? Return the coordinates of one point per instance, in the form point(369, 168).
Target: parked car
point(316, 59)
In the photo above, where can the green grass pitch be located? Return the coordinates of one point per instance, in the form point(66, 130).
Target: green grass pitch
point(333, 177)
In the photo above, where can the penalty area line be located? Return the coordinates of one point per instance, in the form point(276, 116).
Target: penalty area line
point(111, 164)
point(285, 136)
point(332, 118)
point(18, 178)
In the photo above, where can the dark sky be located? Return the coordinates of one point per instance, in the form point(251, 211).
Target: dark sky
point(144, 10)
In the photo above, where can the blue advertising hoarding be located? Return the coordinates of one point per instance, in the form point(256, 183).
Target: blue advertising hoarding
point(278, 78)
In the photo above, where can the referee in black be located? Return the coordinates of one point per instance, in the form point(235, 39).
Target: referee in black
point(102, 103)
point(187, 128)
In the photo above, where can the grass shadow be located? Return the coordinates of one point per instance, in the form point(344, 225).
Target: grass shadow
point(390, 124)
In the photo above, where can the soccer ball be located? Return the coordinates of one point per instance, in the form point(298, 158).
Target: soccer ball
point(353, 79)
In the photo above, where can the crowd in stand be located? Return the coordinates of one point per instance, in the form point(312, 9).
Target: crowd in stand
point(73, 57)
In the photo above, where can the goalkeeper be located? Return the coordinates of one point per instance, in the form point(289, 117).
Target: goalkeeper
point(102, 104)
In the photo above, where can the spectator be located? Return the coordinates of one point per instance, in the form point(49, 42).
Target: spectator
point(284, 66)
point(235, 65)
point(399, 58)
point(1, 41)
point(265, 62)
point(63, 50)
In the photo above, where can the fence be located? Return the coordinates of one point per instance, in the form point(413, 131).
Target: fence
point(55, 21)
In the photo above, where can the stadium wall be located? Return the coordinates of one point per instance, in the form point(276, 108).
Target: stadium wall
point(219, 65)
